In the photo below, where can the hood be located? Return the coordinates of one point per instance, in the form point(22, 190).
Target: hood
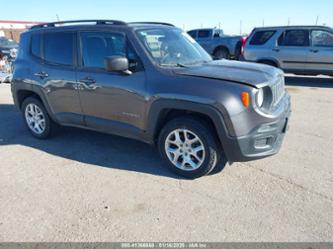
point(253, 74)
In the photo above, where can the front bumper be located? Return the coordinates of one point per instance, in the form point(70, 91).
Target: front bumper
point(263, 141)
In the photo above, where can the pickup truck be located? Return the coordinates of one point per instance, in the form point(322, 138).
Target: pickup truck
point(217, 44)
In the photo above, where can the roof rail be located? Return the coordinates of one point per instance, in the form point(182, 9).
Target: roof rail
point(97, 22)
point(162, 23)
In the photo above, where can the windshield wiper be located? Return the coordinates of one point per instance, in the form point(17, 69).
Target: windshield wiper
point(181, 65)
point(174, 65)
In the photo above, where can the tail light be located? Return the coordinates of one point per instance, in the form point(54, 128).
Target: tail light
point(244, 40)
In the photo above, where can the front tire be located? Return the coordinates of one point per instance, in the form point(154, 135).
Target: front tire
point(36, 118)
point(189, 147)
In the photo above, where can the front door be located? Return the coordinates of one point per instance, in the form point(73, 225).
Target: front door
point(111, 102)
point(292, 50)
point(321, 53)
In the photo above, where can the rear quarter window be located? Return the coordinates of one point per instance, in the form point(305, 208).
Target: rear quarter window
point(35, 45)
point(261, 37)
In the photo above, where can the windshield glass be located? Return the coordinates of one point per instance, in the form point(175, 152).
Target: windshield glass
point(172, 47)
point(7, 42)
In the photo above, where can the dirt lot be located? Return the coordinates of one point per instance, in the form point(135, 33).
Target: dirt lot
point(85, 186)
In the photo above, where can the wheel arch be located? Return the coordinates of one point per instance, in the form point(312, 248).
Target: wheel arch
point(221, 47)
point(23, 92)
point(163, 111)
point(269, 60)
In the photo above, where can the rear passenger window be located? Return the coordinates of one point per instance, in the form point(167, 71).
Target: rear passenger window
point(58, 48)
point(297, 38)
point(203, 33)
point(261, 37)
point(36, 45)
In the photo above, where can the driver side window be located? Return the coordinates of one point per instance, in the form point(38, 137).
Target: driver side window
point(321, 38)
point(98, 45)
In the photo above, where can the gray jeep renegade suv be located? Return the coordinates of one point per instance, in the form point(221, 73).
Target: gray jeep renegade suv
point(152, 82)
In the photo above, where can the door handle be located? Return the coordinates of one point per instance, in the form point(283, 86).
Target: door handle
point(314, 51)
point(42, 75)
point(88, 81)
point(276, 49)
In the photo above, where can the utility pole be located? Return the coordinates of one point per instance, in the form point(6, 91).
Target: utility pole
point(240, 27)
point(288, 21)
point(317, 20)
point(58, 19)
point(263, 22)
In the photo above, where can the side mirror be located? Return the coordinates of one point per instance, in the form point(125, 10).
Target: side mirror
point(117, 64)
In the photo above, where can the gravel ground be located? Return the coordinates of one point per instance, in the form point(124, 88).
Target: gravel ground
point(86, 186)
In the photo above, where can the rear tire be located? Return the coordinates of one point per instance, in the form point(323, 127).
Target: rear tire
point(37, 118)
point(194, 152)
point(221, 53)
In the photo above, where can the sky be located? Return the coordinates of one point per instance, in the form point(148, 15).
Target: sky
point(233, 16)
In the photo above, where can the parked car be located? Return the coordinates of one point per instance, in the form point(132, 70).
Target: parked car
point(8, 48)
point(217, 44)
point(154, 83)
point(294, 49)
point(5, 77)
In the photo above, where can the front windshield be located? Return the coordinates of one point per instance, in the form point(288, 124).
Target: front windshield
point(7, 42)
point(172, 47)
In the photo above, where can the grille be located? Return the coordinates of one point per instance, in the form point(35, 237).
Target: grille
point(278, 90)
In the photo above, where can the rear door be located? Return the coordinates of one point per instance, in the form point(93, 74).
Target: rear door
point(292, 49)
point(321, 53)
point(57, 76)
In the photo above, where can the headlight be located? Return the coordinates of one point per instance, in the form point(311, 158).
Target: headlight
point(260, 97)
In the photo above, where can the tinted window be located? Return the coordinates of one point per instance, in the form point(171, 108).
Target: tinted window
point(203, 33)
point(36, 45)
point(96, 46)
point(58, 48)
point(261, 37)
point(321, 38)
point(193, 34)
point(298, 38)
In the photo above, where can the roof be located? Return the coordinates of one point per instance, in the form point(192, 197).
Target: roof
point(295, 26)
point(72, 23)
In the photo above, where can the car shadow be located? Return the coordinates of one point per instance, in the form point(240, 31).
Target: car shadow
point(309, 81)
point(85, 146)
